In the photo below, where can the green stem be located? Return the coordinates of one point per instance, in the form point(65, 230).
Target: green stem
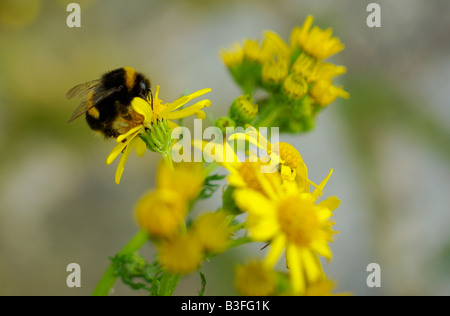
point(268, 117)
point(233, 244)
point(238, 242)
point(109, 277)
point(239, 227)
point(169, 283)
point(168, 158)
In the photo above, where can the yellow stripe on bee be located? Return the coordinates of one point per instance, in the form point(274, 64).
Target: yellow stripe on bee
point(94, 112)
point(130, 77)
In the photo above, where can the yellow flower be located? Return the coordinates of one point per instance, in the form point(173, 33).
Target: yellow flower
point(168, 111)
point(181, 254)
point(212, 231)
point(295, 86)
point(292, 167)
point(255, 279)
point(322, 287)
point(324, 93)
point(243, 110)
point(248, 173)
point(159, 117)
point(185, 178)
point(313, 70)
point(274, 46)
point(245, 173)
point(292, 221)
point(161, 213)
point(316, 42)
point(275, 70)
point(250, 50)
point(234, 56)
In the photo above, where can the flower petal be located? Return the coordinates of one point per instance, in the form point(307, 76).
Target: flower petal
point(191, 110)
point(312, 266)
point(331, 203)
point(259, 205)
point(276, 249)
point(142, 107)
point(263, 228)
point(322, 249)
point(172, 125)
point(128, 135)
point(294, 262)
point(115, 152)
point(183, 100)
point(124, 158)
point(141, 147)
point(318, 190)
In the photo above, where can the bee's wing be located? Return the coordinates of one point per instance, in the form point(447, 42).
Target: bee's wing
point(80, 110)
point(90, 101)
point(82, 89)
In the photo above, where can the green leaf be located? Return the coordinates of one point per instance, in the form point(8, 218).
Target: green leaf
point(136, 272)
point(210, 187)
point(203, 278)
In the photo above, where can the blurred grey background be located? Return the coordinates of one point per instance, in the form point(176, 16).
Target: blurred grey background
point(388, 144)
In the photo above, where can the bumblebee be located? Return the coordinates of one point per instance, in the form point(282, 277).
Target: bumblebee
point(107, 101)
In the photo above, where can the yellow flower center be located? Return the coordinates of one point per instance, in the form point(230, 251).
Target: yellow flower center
point(298, 219)
point(158, 107)
point(249, 173)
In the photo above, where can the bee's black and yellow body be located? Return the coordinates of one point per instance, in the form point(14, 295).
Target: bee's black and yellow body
point(107, 103)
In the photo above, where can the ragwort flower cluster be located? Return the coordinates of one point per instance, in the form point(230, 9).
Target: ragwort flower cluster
point(267, 197)
point(295, 76)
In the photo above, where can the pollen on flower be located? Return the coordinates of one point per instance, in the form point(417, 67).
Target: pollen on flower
point(255, 279)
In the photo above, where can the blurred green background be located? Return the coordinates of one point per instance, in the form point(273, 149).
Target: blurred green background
point(388, 144)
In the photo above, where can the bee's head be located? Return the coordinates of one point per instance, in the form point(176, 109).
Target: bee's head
point(142, 87)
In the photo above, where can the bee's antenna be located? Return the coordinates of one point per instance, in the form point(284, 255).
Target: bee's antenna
point(151, 97)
